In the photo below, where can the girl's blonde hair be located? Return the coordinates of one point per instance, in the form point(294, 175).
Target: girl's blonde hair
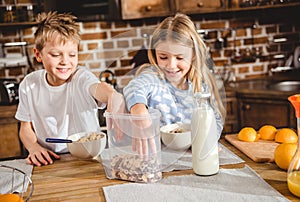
point(180, 29)
point(53, 25)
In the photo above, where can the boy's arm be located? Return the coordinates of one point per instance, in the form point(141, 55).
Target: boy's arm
point(102, 92)
point(37, 154)
point(105, 93)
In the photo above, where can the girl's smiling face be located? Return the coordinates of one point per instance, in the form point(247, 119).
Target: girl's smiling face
point(59, 60)
point(174, 60)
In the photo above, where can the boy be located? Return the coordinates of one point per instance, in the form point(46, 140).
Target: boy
point(60, 99)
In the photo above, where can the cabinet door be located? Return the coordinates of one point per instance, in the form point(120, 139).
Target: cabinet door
point(9, 139)
point(196, 6)
point(231, 122)
point(9, 133)
point(133, 9)
point(256, 112)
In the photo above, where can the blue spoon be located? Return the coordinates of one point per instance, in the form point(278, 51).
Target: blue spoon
point(57, 140)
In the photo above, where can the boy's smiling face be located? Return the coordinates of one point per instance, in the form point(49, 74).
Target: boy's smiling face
point(59, 60)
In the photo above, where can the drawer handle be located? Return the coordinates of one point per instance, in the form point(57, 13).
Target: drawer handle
point(148, 8)
point(200, 4)
point(246, 107)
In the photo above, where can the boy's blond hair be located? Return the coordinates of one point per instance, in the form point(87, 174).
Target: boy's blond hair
point(56, 26)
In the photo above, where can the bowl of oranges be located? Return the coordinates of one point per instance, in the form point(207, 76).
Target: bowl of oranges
point(16, 185)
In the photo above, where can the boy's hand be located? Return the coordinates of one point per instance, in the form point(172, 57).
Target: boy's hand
point(39, 156)
point(116, 105)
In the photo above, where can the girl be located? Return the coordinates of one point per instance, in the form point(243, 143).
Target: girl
point(177, 71)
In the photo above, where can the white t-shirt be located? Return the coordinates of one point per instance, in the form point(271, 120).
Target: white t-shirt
point(58, 111)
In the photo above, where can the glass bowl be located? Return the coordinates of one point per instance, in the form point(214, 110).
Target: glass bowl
point(15, 181)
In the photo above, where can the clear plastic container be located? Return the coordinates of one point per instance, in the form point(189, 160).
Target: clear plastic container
point(134, 147)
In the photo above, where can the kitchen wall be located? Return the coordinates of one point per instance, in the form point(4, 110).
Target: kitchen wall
point(245, 44)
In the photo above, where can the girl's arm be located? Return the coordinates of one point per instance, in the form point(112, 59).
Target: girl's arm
point(139, 109)
point(140, 144)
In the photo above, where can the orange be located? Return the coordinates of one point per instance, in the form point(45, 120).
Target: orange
point(267, 132)
point(286, 135)
point(10, 198)
point(283, 154)
point(248, 134)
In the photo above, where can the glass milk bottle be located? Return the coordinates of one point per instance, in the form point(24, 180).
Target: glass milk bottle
point(293, 174)
point(205, 157)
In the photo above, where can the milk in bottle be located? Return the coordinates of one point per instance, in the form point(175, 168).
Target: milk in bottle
point(205, 157)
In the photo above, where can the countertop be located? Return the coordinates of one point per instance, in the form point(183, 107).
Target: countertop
point(260, 87)
point(71, 179)
point(8, 111)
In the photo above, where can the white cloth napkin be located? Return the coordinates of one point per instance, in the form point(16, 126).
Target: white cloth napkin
point(6, 176)
point(228, 185)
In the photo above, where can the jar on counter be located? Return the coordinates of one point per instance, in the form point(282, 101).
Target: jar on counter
point(30, 14)
point(9, 14)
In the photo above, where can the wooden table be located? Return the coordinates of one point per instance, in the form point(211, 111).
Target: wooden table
point(72, 179)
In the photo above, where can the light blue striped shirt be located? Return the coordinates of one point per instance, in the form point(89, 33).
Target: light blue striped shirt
point(175, 105)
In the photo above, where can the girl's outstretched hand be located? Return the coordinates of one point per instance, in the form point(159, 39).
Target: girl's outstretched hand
point(143, 140)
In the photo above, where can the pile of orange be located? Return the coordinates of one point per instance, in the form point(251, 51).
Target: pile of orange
point(286, 137)
point(10, 198)
point(283, 154)
point(248, 134)
point(267, 132)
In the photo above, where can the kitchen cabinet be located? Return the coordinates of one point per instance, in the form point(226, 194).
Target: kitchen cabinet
point(10, 145)
point(87, 10)
point(257, 111)
point(19, 13)
point(254, 109)
point(198, 6)
point(91, 10)
point(134, 9)
point(259, 103)
point(231, 120)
